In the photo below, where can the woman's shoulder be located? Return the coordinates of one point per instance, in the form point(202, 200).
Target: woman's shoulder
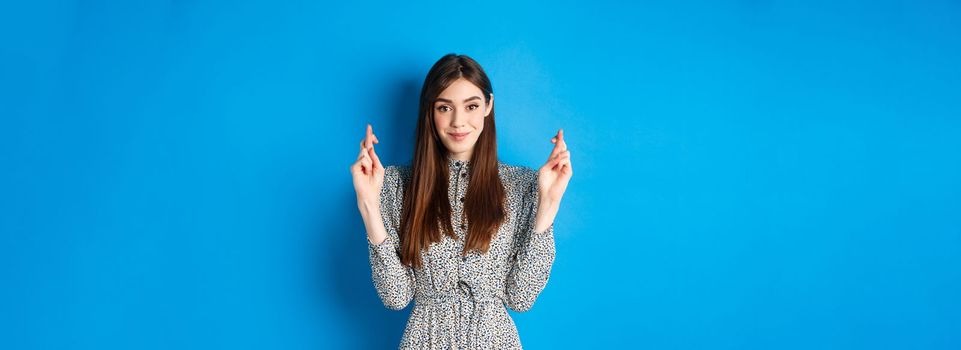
point(397, 172)
point(398, 168)
point(517, 174)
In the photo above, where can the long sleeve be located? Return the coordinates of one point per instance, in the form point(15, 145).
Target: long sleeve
point(532, 255)
point(393, 280)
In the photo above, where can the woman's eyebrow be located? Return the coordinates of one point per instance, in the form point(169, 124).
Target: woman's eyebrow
point(465, 101)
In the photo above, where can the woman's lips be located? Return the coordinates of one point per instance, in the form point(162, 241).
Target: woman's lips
point(458, 137)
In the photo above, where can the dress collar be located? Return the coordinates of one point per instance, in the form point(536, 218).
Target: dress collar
point(455, 163)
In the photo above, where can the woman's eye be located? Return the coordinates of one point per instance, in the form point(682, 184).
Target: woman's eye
point(443, 108)
point(472, 107)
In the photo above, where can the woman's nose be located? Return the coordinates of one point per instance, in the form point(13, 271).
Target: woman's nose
point(456, 120)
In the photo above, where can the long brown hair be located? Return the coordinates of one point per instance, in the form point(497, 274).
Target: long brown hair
point(427, 210)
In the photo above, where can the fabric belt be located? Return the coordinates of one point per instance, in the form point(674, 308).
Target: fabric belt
point(462, 297)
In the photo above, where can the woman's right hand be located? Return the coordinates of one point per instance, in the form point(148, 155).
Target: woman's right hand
point(368, 174)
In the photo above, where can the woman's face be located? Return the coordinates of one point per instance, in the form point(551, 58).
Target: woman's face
point(459, 113)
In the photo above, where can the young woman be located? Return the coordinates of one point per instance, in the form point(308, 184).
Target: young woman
point(457, 231)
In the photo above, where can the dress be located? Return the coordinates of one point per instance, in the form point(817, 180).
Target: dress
point(459, 302)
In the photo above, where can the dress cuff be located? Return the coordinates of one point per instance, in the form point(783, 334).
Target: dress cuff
point(548, 231)
point(387, 246)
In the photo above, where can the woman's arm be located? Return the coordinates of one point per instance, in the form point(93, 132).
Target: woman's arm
point(373, 220)
point(532, 254)
point(393, 280)
point(534, 249)
point(546, 212)
point(378, 192)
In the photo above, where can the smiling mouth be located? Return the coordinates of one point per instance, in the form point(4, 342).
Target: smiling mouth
point(458, 136)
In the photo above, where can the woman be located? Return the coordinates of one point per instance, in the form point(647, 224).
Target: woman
point(457, 231)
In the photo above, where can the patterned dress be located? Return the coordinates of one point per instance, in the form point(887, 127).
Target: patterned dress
point(459, 302)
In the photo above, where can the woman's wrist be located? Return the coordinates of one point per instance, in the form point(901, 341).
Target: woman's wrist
point(368, 207)
point(546, 212)
point(547, 205)
point(373, 222)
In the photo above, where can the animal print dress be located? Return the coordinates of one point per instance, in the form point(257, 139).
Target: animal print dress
point(459, 302)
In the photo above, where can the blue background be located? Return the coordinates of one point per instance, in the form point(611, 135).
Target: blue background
point(749, 174)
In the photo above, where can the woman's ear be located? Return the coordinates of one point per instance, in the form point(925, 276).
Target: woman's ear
point(490, 106)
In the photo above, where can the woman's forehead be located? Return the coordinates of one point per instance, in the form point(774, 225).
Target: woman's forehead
point(460, 90)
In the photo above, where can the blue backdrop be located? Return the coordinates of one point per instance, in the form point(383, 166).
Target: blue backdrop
point(749, 174)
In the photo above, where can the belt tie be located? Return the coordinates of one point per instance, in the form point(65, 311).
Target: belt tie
point(461, 297)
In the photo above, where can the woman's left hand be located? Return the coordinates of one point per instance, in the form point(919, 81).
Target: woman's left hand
point(553, 177)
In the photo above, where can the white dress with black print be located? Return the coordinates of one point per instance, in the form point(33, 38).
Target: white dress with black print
point(459, 302)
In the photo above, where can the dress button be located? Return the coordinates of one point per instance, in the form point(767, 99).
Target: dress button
point(462, 199)
point(463, 174)
point(463, 226)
